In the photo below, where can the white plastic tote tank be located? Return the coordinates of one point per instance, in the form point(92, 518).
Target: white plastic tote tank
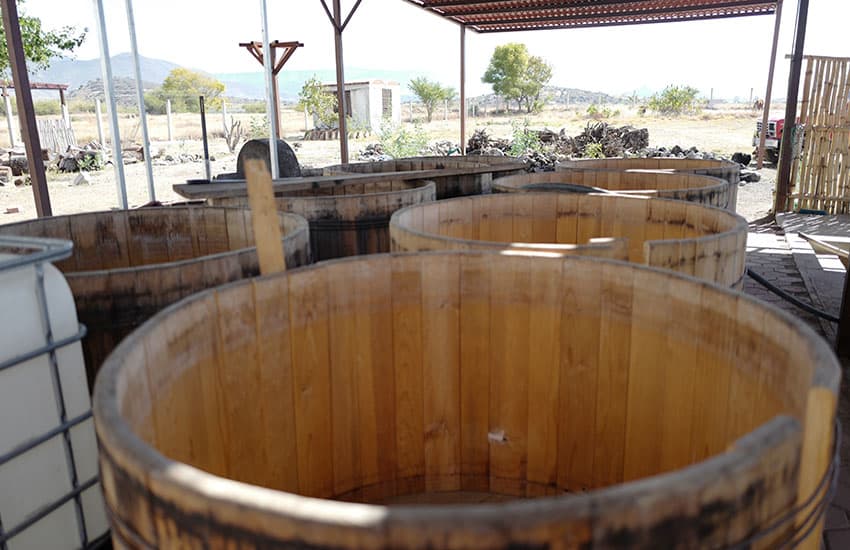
point(49, 492)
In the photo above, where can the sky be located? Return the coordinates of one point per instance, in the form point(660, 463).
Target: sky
point(729, 55)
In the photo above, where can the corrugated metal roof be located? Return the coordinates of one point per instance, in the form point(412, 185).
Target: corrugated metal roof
point(527, 15)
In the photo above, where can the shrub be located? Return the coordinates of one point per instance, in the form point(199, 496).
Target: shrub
point(595, 112)
point(676, 100)
point(594, 151)
point(401, 141)
point(254, 107)
point(47, 107)
point(258, 128)
point(524, 139)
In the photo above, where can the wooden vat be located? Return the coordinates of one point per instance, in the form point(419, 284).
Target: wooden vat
point(347, 218)
point(129, 264)
point(461, 175)
point(723, 169)
point(709, 243)
point(706, 190)
point(340, 405)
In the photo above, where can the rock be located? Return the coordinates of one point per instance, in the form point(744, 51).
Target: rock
point(749, 176)
point(5, 175)
point(259, 149)
point(19, 165)
point(676, 150)
point(68, 164)
point(742, 158)
point(81, 179)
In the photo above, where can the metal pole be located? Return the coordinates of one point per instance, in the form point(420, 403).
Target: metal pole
point(168, 119)
point(140, 94)
point(783, 178)
point(98, 114)
point(275, 93)
point(109, 92)
point(207, 168)
point(340, 84)
point(29, 128)
point(462, 90)
point(765, 117)
point(9, 118)
point(270, 99)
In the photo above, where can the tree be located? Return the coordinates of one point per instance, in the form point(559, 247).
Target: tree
point(41, 46)
point(318, 102)
point(516, 75)
point(675, 100)
point(183, 87)
point(430, 93)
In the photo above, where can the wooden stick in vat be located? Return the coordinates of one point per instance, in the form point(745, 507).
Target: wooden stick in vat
point(264, 217)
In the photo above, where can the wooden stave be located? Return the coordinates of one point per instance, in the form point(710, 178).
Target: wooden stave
point(112, 302)
point(279, 519)
point(724, 169)
point(706, 190)
point(463, 175)
point(348, 225)
point(728, 271)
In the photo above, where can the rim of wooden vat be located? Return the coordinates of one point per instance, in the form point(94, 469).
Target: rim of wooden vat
point(297, 239)
point(424, 187)
point(656, 252)
point(696, 186)
point(278, 516)
point(493, 162)
point(650, 163)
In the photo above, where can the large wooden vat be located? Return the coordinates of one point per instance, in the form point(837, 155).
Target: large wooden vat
point(706, 190)
point(709, 243)
point(347, 218)
point(340, 405)
point(128, 264)
point(457, 175)
point(723, 169)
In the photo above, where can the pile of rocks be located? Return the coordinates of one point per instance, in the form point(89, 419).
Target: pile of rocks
point(89, 157)
point(373, 152)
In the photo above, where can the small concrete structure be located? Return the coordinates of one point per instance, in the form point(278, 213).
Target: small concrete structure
point(370, 102)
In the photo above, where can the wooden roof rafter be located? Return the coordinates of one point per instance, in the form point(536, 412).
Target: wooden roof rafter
point(525, 15)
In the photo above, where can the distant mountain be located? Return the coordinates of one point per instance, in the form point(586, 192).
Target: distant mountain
point(253, 85)
point(553, 94)
point(125, 90)
point(77, 72)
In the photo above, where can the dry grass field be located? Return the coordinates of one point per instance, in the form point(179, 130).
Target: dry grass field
point(719, 131)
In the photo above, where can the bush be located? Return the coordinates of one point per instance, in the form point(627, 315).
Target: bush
point(524, 139)
point(400, 141)
point(595, 112)
point(258, 128)
point(154, 104)
point(594, 151)
point(81, 106)
point(676, 100)
point(47, 107)
point(255, 107)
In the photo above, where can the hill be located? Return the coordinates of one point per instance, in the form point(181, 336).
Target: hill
point(77, 72)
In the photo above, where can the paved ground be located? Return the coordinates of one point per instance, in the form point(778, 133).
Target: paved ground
point(789, 263)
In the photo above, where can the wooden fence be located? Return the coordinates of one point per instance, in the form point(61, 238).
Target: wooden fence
point(55, 135)
point(821, 170)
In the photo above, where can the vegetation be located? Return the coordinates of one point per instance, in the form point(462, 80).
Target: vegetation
point(47, 107)
point(675, 100)
point(41, 46)
point(518, 76)
point(254, 107)
point(524, 139)
point(430, 93)
point(318, 102)
point(402, 141)
point(594, 150)
point(596, 112)
point(183, 87)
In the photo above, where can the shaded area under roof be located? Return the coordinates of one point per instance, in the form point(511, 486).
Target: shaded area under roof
point(528, 15)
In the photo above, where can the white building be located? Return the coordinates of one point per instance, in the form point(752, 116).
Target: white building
point(372, 101)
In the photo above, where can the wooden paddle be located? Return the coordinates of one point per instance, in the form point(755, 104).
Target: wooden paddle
point(264, 217)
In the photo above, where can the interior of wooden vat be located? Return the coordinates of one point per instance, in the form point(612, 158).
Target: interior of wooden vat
point(421, 163)
point(133, 238)
point(485, 376)
point(619, 181)
point(565, 218)
point(650, 164)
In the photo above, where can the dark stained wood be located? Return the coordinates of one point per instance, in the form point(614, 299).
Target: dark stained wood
point(129, 264)
point(26, 112)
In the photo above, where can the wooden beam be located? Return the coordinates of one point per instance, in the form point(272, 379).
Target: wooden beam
point(26, 112)
point(340, 82)
point(256, 49)
point(769, 91)
point(783, 178)
point(462, 90)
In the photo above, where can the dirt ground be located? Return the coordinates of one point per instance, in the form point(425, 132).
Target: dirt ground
point(722, 132)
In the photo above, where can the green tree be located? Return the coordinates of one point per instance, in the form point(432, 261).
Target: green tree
point(675, 100)
point(518, 76)
point(41, 46)
point(317, 101)
point(430, 93)
point(183, 87)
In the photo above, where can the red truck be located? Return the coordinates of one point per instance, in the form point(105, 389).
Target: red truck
point(772, 139)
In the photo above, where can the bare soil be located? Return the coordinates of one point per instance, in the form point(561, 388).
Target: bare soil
point(721, 132)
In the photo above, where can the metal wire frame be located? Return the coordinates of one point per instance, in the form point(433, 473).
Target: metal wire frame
point(43, 251)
